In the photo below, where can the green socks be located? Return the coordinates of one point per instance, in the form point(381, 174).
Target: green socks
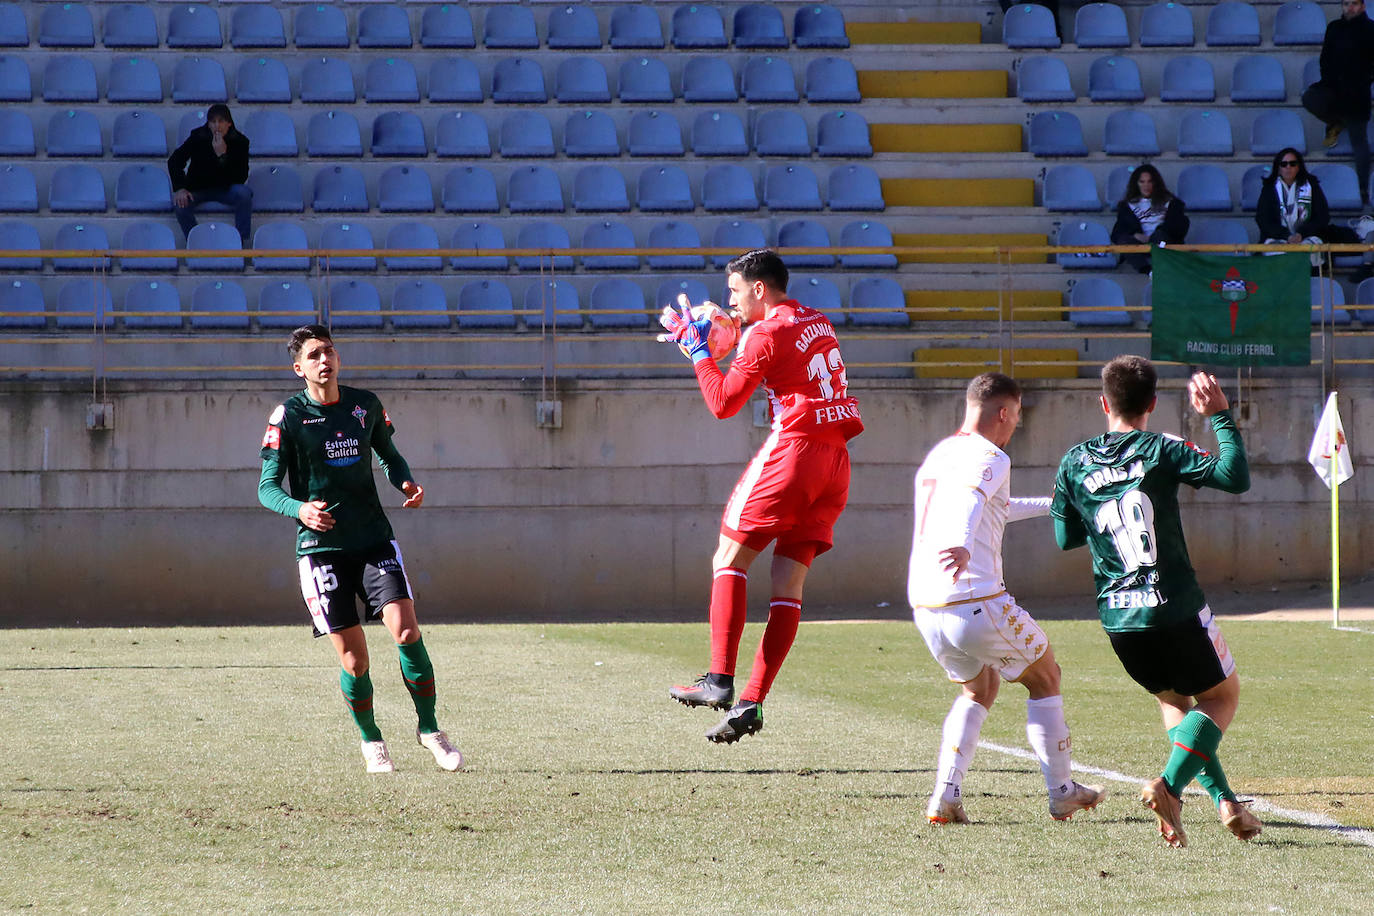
point(357, 692)
point(1195, 745)
point(419, 677)
point(1212, 777)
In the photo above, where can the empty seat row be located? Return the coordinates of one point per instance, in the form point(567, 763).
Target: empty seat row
point(1187, 78)
point(1090, 233)
point(1103, 25)
point(576, 25)
point(1202, 187)
point(1131, 132)
point(512, 80)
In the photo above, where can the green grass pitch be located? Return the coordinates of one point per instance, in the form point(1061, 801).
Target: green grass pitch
point(215, 770)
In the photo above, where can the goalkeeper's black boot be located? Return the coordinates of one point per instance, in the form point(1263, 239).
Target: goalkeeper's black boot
point(714, 690)
point(744, 719)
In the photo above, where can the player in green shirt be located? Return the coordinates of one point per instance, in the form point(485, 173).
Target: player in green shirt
point(321, 440)
point(1118, 493)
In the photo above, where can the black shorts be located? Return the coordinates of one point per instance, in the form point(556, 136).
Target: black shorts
point(1188, 658)
point(331, 583)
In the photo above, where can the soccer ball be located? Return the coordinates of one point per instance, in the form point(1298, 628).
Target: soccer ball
point(724, 332)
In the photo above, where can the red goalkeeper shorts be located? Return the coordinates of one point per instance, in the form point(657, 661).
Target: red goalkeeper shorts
point(792, 491)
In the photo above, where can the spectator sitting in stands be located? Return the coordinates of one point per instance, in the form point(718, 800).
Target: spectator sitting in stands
point(212, 165)
point(1292, 208)
point(1148, 214)
point(1341, 97)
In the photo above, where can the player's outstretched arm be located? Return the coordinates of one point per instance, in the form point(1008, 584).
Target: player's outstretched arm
point(1019, 507)
point(1231, 474)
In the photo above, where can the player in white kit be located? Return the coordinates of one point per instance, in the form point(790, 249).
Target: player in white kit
point(960, 603)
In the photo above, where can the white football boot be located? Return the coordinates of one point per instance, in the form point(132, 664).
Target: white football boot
point(378, 760)
point(445, 754)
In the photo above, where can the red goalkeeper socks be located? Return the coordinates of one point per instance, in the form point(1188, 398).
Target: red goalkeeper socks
point(784, 616)
point(728, 608)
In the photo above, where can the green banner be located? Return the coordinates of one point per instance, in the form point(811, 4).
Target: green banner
point(1229, 310)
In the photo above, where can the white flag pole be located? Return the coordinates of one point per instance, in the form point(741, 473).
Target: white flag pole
point(1335, 537)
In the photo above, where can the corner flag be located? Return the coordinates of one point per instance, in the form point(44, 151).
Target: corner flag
point(1327, 443)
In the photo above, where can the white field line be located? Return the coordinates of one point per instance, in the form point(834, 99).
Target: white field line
point(1311, 819)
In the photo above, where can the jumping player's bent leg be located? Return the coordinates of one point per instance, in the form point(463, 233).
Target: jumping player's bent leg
point(716, 688)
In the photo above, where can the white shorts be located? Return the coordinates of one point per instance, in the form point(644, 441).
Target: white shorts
point(994, 632)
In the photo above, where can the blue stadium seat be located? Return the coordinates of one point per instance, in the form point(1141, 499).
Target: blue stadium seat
point(214, 237)
point(16, 134)
point(1029, 25)
point(1188, 78)
point(480, 236)
point(718, 132)
point(17, 236)
point(805, 233)
point(878, 302)
point(1044, 79)
point(133, 79)
point(18, 297)
point(737, 235)
point(664, 188)
point(405, 189)
point(276, 189)
point(1364, 295)
point(758, 25)
point(615, 303)
point(84, 303)
point(199, 79)
point(462, 133)
point(635, 27)
point(1250, 184)
point(384, 26)
point(1328, 302)
point(819, 26)
point(526, 134)
point(781, 132)
point(675, 234)
point(1083, 233)
point(543, 235)
point(1098, 302)
point(320, 25)
point(15, 85)
point(281, 235)
point(286, 304)
point(151, 305)
point(261, 79)
point(1101, 25)
point(1277, 129)
point(1231, 23)
point(398, 133)
point(819, 293)
point(608, 234)
point(867, 234)
point(581, 79)
point(645, 79)
point(534, 189)
point(791, 187)
point(1205, 133)
point(1258, 78)
point(339, 189)
point(1072, 187)
point(768, 79)
point(391, 79)
point(142, 189)
point(74, 133)
point(447, 25)
point(698, 26)
point(81, 237)
point(272, 133)
point(256, 26)
point(518, 79)
point(220, 305)
point(1311, 72)
point(491, 297)
point(1116, 183)
point(327, 79)
point(668, 291)
point(854, 187)
point(355, 305)
point(14, 28)
point(194, 26)
point(1115, 79)
point(654, 133)
point(555, 303)
point(573, 26)
point(333, 133)
point(130, 25)
point(1299, 22)
point(1218, 232)
point(843, 133)
point(424, 297)
point(708, 79)
point(412, 235)
point(470, 189)
point(1204, 187)
point(1056, 133)
point(1166, 25)
point(66, 25)
point(68, 78)
point(1130, 132)
point(347, 237)
point(77, 189)
point(729, 187)
point(19, 191)
point(600, 189)
point(831, 79)
point(509, 27)
point(1339, 184)
point(454, 79)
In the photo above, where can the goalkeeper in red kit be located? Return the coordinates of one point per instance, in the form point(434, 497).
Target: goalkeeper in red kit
point(792, 491)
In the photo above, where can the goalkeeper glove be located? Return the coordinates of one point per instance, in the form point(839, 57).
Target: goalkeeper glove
point(691, 336)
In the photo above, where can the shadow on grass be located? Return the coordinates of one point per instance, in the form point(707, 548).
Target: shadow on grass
point(160, 667)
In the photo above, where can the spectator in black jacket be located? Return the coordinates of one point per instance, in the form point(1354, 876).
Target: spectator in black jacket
point(212, 165)
point(1148, 214)
point(1292, 208)
point(1341, 97)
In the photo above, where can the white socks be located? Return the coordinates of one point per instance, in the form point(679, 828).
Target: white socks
point(960, 740)
point(1048, 735)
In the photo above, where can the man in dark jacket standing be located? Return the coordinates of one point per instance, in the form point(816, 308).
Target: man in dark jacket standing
point(1341, 97)
point(212, 166)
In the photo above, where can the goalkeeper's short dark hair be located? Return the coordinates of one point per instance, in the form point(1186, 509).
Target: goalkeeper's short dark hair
point(302, 334)
point(760, 264)
point(990, 387)
point(1128, 384)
